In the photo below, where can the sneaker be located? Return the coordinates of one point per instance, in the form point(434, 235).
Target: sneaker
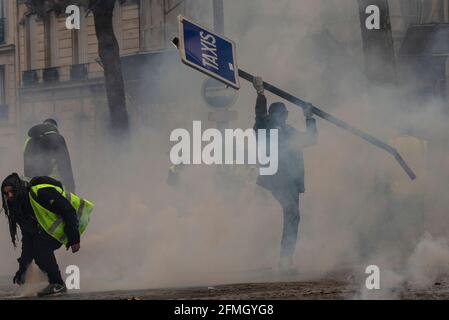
point(53, 289)
point(286, 266)
point(286, 262)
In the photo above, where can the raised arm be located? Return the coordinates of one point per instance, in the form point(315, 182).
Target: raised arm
point(310, 137)
point(261, 105)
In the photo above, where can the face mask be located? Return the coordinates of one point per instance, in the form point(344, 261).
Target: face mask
point(277, 120)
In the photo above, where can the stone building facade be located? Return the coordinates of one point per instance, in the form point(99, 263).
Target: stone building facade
point(47, 70)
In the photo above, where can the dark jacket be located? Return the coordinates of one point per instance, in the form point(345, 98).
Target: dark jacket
point(290, 174)
point(52, 200)
point(46, 153)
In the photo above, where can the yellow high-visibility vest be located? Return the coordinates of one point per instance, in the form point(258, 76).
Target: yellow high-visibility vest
point(51, 222)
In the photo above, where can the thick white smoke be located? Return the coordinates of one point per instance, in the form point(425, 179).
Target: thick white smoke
point(216, 223)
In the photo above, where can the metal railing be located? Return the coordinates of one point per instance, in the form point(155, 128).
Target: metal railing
point(79, 72)
point(76, 72)
point(30, 77)
point(50, 74)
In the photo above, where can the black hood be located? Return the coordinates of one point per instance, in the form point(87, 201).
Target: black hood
point(20, 189)
point(41, 129)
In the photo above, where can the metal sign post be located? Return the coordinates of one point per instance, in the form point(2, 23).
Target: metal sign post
point(214, 55)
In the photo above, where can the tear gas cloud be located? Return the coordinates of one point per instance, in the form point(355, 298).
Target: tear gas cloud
point(216, 222)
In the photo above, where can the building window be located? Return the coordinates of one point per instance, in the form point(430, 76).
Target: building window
point(2, 85)
point(51, 40)
point(159, 22)
point(75, 46)
point(4, 112)
point(411, 10)
point(446, 11)
point(2, 22)
point(79, 69)
point(173, 8)
point(117, 23)
point(30, 42)
point(79, 41)
point(153, 24)
point(435, 11)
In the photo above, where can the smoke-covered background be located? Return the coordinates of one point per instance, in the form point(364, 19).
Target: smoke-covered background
point(216, 223)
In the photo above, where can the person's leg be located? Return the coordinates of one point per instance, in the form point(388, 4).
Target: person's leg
point(290, 205)
point(44, 247)
point(410, 224)
point(291, 225)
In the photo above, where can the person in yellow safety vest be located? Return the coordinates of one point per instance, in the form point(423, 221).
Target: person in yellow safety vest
point(45, 153)
point(48, 217)
point(414, 150)
point(407, 199)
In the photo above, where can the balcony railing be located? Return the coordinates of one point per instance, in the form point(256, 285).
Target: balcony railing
point(30, 77)
point(50, 74)
point(76, 72)
point(79, 72)
point(131, 67)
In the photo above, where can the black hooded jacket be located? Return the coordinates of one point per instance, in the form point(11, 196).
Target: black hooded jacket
point(290, 174)
point(46, 150)
point(21, 213)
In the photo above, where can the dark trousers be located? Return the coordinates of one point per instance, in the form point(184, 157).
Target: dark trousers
point(40, 247)
point(289, 201)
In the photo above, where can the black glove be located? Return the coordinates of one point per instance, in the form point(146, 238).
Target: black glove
point(19, 278)
point(308, 111)
point(172, 179)
point(173, 175)
point(258, 85)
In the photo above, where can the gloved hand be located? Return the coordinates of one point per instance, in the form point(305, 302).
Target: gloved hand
point(258, 85)
point(308, 111)
point(19, 278)
point(172, 178)
point(75, 247)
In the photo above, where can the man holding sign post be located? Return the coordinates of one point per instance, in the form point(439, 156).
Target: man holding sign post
point(215, 56)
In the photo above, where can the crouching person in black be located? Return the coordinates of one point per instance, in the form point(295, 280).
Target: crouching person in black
point(40, 237)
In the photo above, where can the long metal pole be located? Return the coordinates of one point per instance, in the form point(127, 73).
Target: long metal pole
point(339, 123)
point(219, 28)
